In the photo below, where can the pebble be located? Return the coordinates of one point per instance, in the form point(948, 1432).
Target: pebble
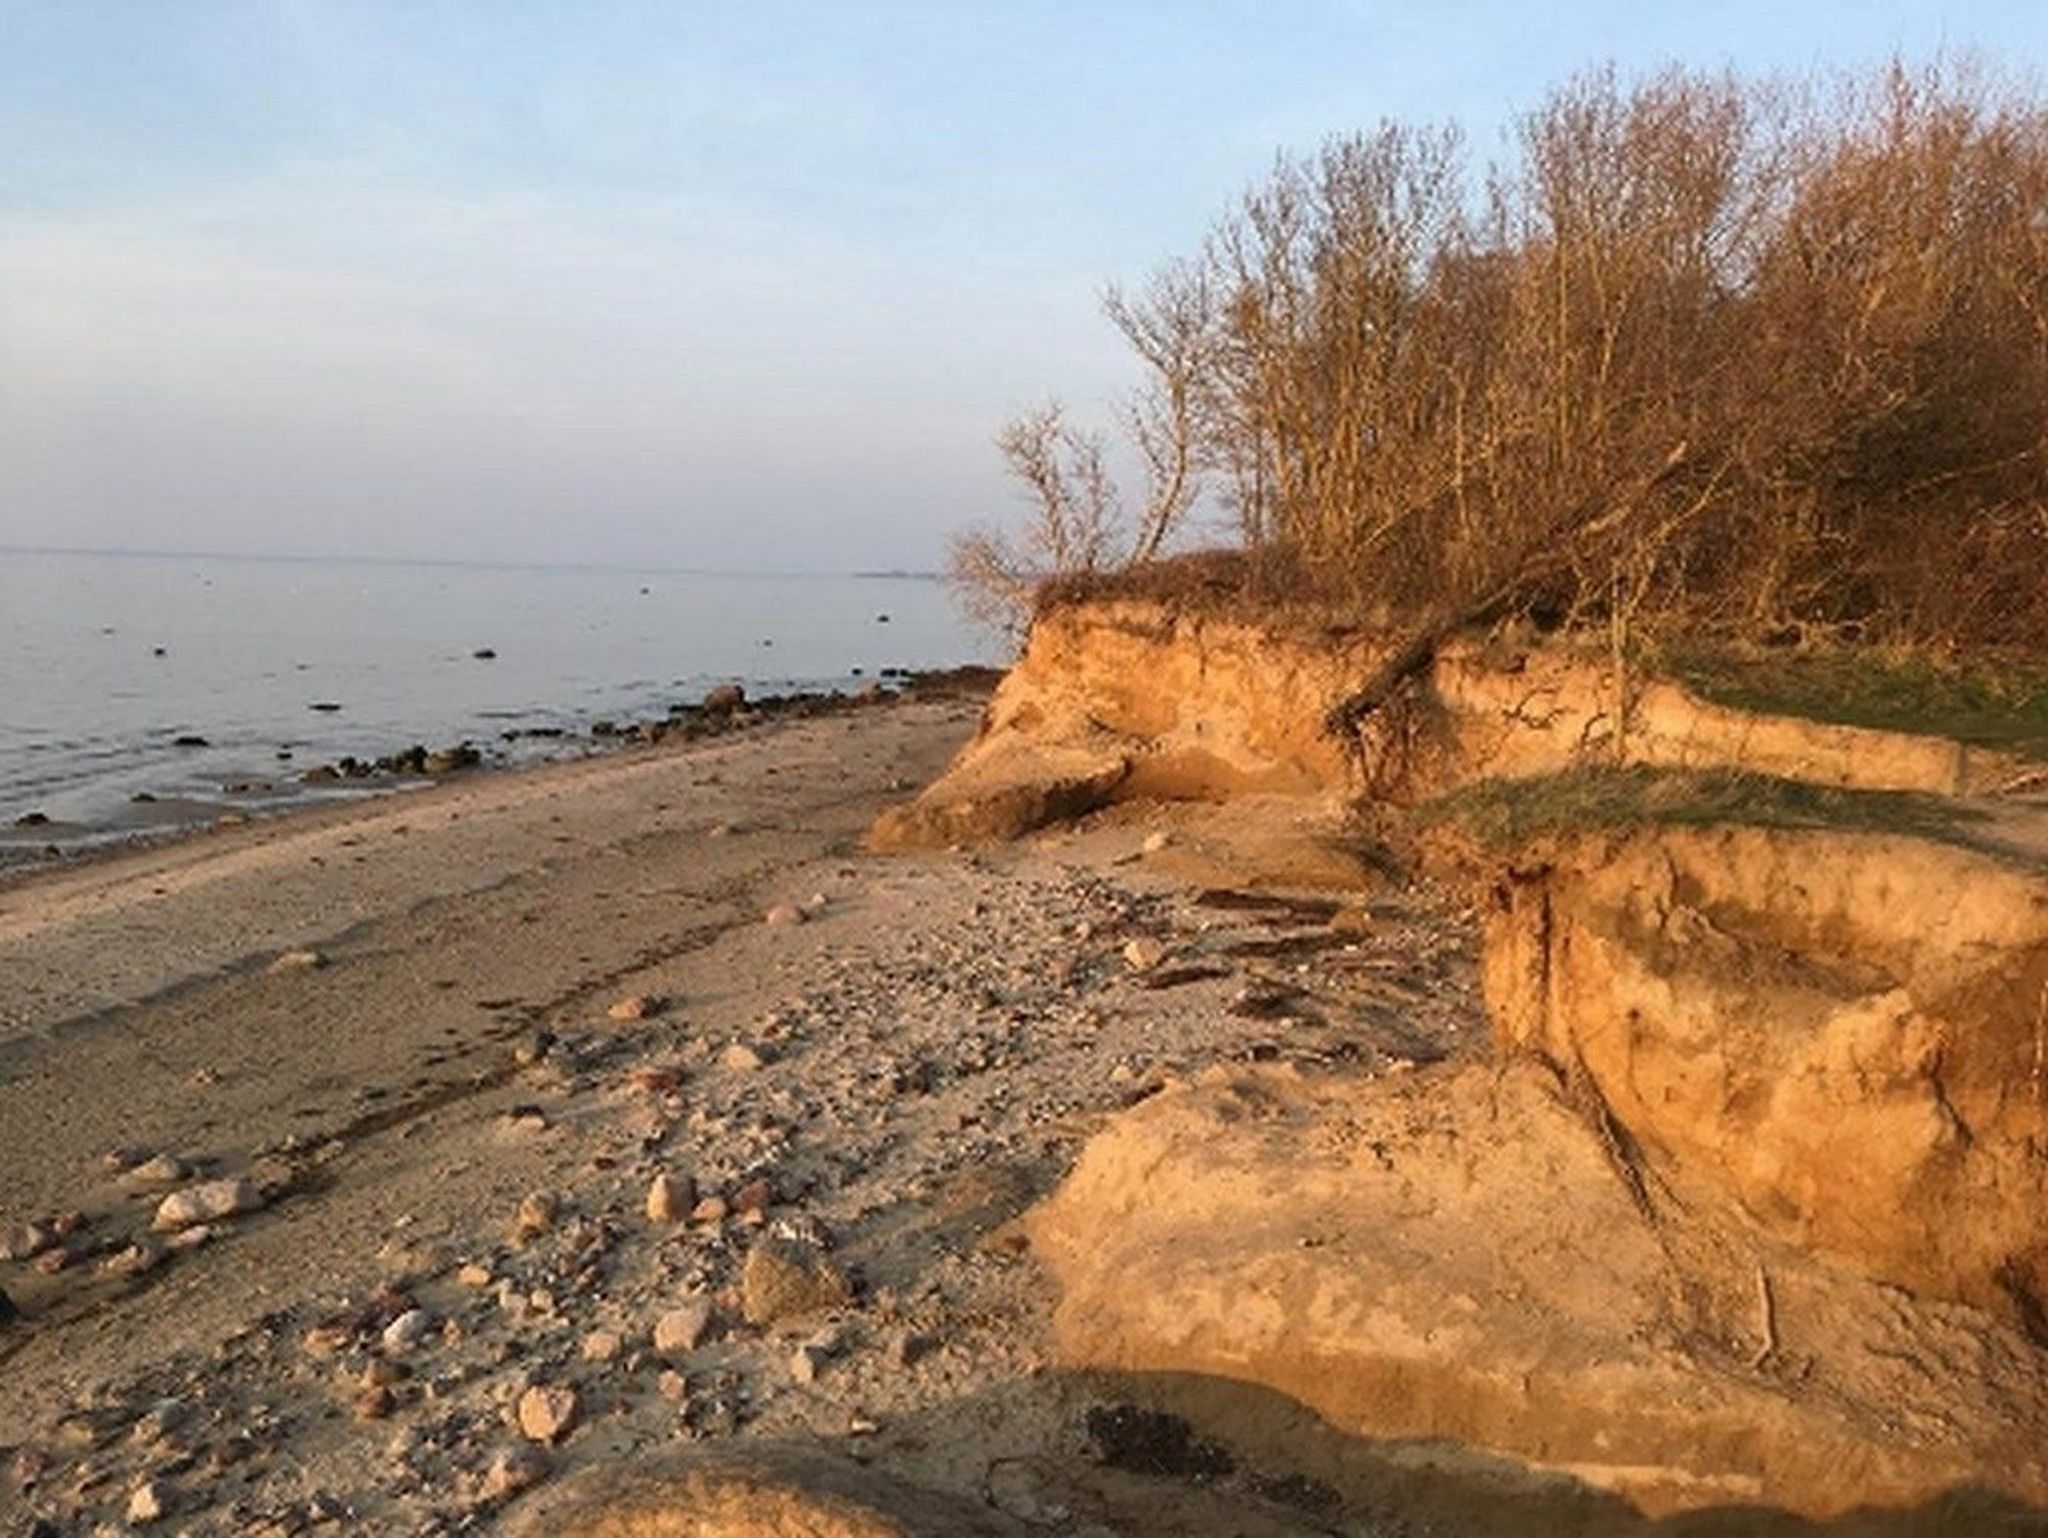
point(712, 1209)
point(672, 1386)
point(785, 1278)
point(147, 1502)
point(25, 1241)
point(514, 1470)
point(373, 1404)
point(1143, 953)
point(533, 1047)
point(668, 1199)
point(753, 1197)
point(1155, 842)
point(143, 1255)
point(161, 1170)
point(633, 1007)
point(805, 1363)
point(683, 1327)
point(601, 1345)
point(324, 1340)
point(402, 1261)
point(740, 1058)
point(407, 1331)
point(474, 1276)
point(547, 1412)
point(298, 961)
point(536, 1215)
point(205, 1203)
point(784, 914)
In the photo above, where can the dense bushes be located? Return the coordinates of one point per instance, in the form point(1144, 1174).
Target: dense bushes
point(1740, 357)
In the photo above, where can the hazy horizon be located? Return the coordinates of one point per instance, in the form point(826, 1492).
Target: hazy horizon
point(929, 573)
point(670, 286)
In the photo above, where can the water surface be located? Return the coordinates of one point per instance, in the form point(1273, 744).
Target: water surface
point(106, 660)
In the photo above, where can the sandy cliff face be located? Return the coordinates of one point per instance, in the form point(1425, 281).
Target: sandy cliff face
point(1127, 699)
point(1135, 698)
point(1750, 1208)
point(1500, 713)
point(1459, 1256)
point(1848, 1032)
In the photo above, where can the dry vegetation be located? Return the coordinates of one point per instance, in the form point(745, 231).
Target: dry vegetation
point(1701, 355)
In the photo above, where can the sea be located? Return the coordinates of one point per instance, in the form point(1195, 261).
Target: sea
point(278, 665)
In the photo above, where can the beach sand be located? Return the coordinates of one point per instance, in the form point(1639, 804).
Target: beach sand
point(395, 1023)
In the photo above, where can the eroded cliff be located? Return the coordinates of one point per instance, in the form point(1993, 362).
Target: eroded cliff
point(1750, 1206)
point(1136, 698)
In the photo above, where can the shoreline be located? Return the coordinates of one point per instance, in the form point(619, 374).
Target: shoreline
point(29, 850)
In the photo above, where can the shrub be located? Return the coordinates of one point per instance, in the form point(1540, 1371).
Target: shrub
point(1701, 354)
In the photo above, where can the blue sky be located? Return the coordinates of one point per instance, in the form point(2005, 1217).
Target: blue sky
point(740, 286)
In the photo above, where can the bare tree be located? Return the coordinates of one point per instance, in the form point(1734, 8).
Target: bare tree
point(1078, 524)
point(1170, 327)
point(1698, 353)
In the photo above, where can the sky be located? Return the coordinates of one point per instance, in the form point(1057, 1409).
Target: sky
point(737, 287)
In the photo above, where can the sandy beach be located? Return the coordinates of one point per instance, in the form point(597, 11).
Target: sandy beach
point(441, 1046)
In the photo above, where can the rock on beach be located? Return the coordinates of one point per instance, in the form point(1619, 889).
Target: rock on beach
point(547, 1412)
point(683, 1327)
point(785, 1279)
point(206, 1203)
point(669, 1199)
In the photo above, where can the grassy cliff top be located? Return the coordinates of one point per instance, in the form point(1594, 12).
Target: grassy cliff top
point(1991, 702)
point(1504, 816)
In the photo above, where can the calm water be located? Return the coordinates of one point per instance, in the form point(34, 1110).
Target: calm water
point(88, 708)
